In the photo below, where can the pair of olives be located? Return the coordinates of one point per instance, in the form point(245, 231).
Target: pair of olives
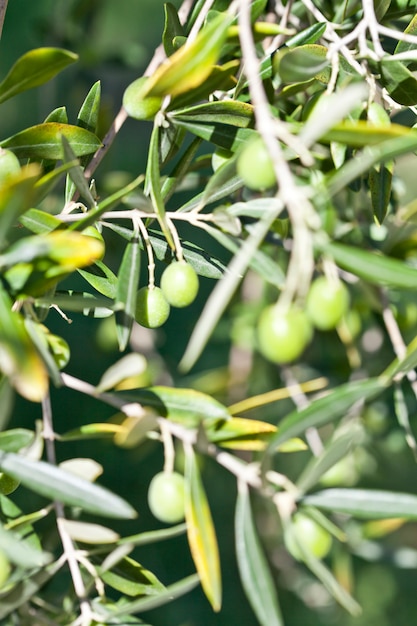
point(284, 334)
point(179, 288)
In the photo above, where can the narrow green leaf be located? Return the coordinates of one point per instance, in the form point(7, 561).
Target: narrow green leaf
point(254, 571)
point(20, 361)
point(34, 68)
point(222, 135)
point(185, 406)
point(39, 222)
point(132, 364)
point(221, 77)
point(101, 278)
point(16, 198)
point(148, 603)
point(326, 409)
point(232, 112)
point(153, 184)
point(189, 66)
point(27, 588)
point(380, 183)
point(201, 533)
point(364, 503)
point(132, 579)
point(400, 367)
point(400, 83)
point(15, 439)
point(302, 63)
point(20, 552)
point(56, 484)
point(79, 302)
point(173, 28)
point(6, 401)
point(224, 290)
point(89, 112)
point(127, 287)
point(44, 141)
point(373, 267)
point(334, 452)
point(90, 533)
point(76, 174)
point(401, 411)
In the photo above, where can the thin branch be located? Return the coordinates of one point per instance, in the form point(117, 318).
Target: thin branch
point(294, 198)
point(3, 9)
point(86, 616)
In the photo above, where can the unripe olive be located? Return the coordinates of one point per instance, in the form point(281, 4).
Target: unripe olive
point(327, 302)
point(313, 537)
point(152, 308)
point(283, 335)
point(8, 484)
point(179, 283)
point(255, 166)
point(166, 497)
point(138, 105)
point(9, 166)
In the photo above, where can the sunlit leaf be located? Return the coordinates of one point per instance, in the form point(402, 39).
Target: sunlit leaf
point(127, 287)
point(201, 533)
point(326, 409)
point(185, 406)
point(44, 141)
point(189, 66)
point(254, 570)
point(302, 63)
point(34, 68)
point(56, 484)
point(131, 578)
point(365, 503)
point(130, 365)
point(19, 360)
point(373, 267)
point(89, 533)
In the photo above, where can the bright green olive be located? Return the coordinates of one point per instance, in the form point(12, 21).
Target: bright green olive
point(9, 166)
point(166, 497)
point(283, 335)
point(307, 532)
point(8, 484)
point(152, 308)
point(179, 283)
point(255, 166)
point(137, 104)
point(327, 303)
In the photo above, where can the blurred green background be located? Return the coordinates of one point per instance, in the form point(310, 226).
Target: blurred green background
point(115, 40)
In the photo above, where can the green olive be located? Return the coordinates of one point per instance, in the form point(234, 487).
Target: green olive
point(8, 484)
point(166, 497)
point(179, 283)
point(307, 532)
point(137, 104)
point(9, 166)
point(327, 303)
point(255, 166)
point(152, 308)
point(283, 335)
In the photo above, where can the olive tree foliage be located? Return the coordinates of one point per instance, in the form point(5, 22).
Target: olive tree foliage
point(288, 123)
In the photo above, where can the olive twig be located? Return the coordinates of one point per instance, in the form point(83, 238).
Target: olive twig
point(70, 553)
point(149, 252)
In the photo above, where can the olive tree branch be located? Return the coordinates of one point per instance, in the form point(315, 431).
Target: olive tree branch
point(86, 615)
point(294, 198)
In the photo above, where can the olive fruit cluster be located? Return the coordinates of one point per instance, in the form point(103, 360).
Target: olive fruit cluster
point(179, 288)
point(166, 497)
point(283, 335)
